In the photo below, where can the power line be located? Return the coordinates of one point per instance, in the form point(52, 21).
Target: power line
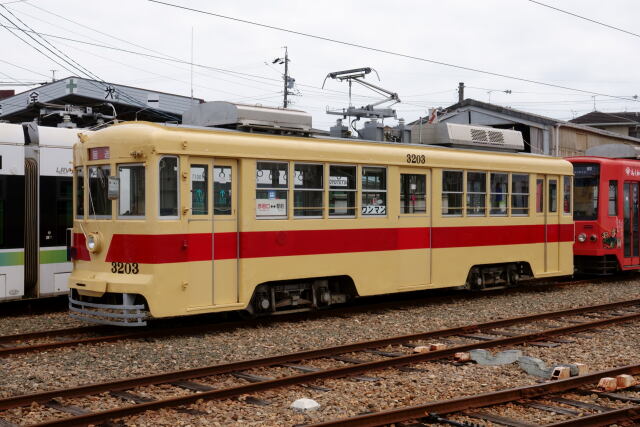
point(379, 50)
point(72, 63)
point(585, 18)
point(23, 68)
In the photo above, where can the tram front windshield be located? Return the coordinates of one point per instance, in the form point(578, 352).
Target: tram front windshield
point(585, 184)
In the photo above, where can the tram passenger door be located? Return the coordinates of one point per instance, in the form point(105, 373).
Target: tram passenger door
point(552, 224)
point(199, 286)
point(225, 232)
point(630, 231)
point(414, 267)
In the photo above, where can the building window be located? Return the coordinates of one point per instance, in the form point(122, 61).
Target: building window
point(199, 189)
point(553, 195)
point(222, 183)
point(132, 195)
point(168, 183)
point(374, 191)
point(99, 203)
point(308, 190)
point(539, 195)
point(499, 192)
point(413, 194)
point(79, 192)
point(271, 190)
point(342, 191)
point(476, 193)
point(613, 198)
point(519, 194)
point(566, 201)
point(452, 192)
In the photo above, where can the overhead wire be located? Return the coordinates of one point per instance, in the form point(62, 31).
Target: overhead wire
point(380, 50)
point(575, 15)
point(75, 66)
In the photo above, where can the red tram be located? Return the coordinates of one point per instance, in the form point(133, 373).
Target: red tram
point(606, 209)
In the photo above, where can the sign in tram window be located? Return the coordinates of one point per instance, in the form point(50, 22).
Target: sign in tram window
point(308, 190)
point(553, 195)
point(132, 195)
point(476, 193)
point(613, 198)
point(519, 194)
point(79, 192)
point(413, 194)
point(499, 192)
point(566, 195)
point(374, 191)
point(452, 192)
point(342, 191)
point(169, 195)
point(271, 190)
point(99, 203)
point(199, 189)
point(539, 195)
point(222, 190)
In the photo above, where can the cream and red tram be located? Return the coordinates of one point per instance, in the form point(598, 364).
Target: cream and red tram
point(174, 220)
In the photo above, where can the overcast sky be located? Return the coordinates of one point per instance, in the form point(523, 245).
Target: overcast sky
point(512, 37)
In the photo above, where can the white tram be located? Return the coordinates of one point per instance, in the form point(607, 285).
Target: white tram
point(35, 210)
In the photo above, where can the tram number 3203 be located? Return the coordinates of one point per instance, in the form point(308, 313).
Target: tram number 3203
point(416, 158)
point(125, 267)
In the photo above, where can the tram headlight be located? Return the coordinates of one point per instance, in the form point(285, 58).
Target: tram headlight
point(593, 237)
point(582, 237)
point(93, 242)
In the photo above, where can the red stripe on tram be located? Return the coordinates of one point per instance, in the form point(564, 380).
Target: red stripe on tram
point(172, 248)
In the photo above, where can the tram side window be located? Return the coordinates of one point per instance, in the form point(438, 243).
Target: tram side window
point(55, 209)
point(553, 195)
point(99, 203)
point(169, 193)
point(519, 194)
point(308, 191)
point(222, 190)
point(132, 194)
point(476, 193)
point(11, 212)
point(199, 189)
point(613, 198)
point(499, 192)
point(452, 192)
point(413, 194)
point(374, 191)
point(342, 191)
point(79, 192)
point(566, 201)
point(539, 195)
point(271, 190)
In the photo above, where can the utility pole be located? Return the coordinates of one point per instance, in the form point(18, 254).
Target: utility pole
point(286, 75)
point(53, 75)
point(460, 91)
point(288, 81)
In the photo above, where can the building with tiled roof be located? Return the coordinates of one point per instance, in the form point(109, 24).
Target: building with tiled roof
point(625, 123)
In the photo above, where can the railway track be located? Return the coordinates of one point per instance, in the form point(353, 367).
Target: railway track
point(237, 378)
point(87, 335)
point(569, 399)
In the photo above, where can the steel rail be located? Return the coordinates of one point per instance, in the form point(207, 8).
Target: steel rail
point(147, 333)
point(444, 407)
point(15, 401)
point(52, 333)
point(340, 372)
point(603, 419)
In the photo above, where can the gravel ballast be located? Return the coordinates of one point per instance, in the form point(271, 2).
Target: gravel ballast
point(68, 367)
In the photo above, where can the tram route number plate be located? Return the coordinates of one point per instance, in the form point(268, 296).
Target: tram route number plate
point(416, 158)
point(125, 267)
